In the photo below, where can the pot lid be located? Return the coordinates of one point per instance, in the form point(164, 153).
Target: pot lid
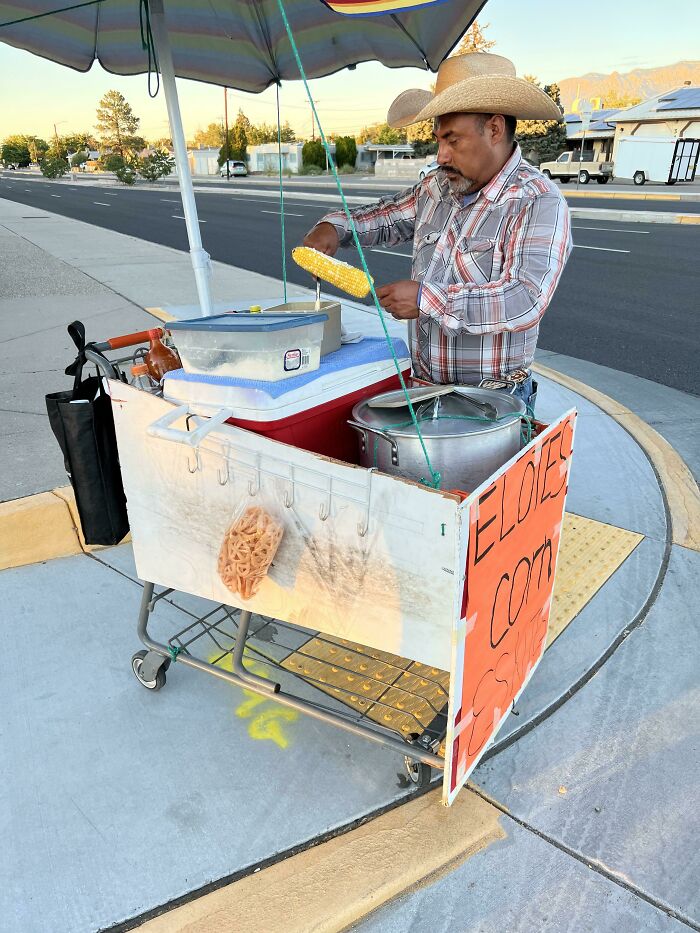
point(449, 415)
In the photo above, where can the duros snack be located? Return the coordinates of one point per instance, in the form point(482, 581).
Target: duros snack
point(248, 549)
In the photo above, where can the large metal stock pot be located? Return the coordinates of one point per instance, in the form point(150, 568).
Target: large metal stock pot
point(465, 442)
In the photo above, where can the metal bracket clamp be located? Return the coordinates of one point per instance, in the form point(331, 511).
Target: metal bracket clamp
point(364, 429)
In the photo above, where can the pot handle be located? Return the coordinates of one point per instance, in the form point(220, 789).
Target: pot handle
point(363, 430)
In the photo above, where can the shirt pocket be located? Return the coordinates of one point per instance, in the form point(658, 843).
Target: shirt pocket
point(474, 259)
point(424, 243)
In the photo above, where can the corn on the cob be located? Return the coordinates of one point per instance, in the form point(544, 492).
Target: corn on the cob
point(344, 276)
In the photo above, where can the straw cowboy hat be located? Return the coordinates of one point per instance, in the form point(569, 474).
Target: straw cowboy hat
point(476, 82)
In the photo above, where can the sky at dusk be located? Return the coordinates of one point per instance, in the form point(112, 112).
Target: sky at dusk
point(549, 40)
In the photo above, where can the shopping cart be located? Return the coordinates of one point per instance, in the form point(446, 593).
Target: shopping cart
point(386, 699)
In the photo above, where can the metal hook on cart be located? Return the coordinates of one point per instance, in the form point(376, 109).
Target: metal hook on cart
point(288, 497)
point(254, 484)
point(324, 510)
point(226, 474)
point(197, 461)
point(363, 526)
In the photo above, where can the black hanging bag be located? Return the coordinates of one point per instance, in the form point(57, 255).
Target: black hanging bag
point(82, 421)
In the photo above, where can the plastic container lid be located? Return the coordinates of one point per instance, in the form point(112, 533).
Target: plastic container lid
point(248, 323)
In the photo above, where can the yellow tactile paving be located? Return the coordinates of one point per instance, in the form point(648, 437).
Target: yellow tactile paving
point(405, 695)
point(590, 553)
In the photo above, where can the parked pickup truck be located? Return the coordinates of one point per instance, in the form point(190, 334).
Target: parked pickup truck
point(570, 164)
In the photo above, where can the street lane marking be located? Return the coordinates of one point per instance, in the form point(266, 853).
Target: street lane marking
point(390, 252)
point(28, 189)
point(170, 200)
point(103, 203)
point(611, 230)
point(603, 249)
point(180, 217)
point(55, 195)
point(286, 213)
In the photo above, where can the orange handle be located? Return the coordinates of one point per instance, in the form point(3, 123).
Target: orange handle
point(130, 340)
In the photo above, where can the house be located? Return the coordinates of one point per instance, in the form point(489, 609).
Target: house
point(203, 161)
point(672, 114)
point(265, 157)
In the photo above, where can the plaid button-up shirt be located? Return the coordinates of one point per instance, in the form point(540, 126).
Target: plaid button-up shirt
point(487, 270)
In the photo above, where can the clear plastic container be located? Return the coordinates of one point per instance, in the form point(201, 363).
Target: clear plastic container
point(266, 347)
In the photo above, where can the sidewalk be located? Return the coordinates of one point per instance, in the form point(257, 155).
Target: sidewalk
point(122, 804)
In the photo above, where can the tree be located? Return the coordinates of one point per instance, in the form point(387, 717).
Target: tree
point(37, 147)
point(542, 140)
point(381, 133)
point(420, 135)
point(79, 142)
point(345, 151)
point(112, 162)
point(612, 100)
point(15, 151)
point(53, 166)
point(474, 40)
point(156, 165)
point(237, 141)
point(164, 143)
point(313, 153)
point(117, 124)
point(78, 159)
point(210, 138)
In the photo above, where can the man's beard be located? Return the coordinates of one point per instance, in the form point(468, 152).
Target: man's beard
point(459, 184)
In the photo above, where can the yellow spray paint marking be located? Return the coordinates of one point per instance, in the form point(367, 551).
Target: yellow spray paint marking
point(267, 718)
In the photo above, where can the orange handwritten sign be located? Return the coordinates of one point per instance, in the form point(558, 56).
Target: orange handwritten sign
point(513, 531)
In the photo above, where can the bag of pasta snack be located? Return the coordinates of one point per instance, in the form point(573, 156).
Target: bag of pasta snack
point(249, 547)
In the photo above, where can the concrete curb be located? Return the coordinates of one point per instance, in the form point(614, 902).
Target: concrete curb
point(645, 217)
point(678, 483)
point(632, 196)
point(41, 527)
point(327, 888)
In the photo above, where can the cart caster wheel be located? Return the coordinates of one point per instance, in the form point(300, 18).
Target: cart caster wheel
point(418, 773)
point(159, 681)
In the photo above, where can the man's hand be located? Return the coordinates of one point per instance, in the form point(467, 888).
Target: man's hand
point(324, 238)
point(400, 299)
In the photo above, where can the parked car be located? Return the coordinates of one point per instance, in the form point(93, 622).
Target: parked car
point(572, 164)
point(234, 168)
point(428, 168)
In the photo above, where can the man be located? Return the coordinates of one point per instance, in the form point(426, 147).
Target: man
point(490, 234)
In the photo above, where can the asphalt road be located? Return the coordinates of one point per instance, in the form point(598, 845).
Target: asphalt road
point(628, 298)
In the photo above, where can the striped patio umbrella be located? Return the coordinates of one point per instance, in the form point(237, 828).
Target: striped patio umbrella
point(240, 43)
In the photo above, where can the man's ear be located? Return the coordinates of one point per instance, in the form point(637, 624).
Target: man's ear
point(496, 128)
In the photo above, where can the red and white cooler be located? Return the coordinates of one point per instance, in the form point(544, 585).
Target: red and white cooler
point(309, 411)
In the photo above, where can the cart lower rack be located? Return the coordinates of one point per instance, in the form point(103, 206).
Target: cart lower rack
point(228, 633)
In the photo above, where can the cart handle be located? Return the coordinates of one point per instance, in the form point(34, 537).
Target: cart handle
point(161, 428)
point(128, 340)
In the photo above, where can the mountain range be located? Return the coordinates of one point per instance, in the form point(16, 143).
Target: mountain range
point(641, 82)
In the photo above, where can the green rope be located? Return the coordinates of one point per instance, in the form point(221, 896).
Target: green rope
point(63, 9)
point(435, 477)
point(279, 153)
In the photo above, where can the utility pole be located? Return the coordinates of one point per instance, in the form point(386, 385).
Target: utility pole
point(228, 169)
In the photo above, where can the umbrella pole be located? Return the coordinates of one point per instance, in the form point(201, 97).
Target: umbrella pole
point(201, 262)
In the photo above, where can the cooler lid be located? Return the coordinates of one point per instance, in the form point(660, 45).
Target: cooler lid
point(247, 323)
